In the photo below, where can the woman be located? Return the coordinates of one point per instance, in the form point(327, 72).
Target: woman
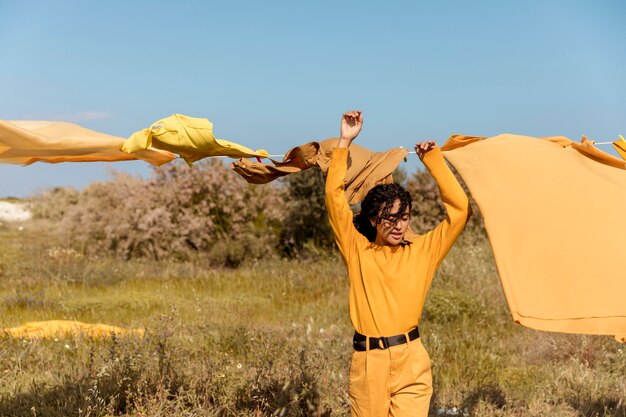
point(390, 272)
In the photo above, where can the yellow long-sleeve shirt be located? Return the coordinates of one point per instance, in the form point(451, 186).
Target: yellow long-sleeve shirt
point(388, 285)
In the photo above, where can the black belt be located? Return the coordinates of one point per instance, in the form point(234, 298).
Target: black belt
point(359, 340)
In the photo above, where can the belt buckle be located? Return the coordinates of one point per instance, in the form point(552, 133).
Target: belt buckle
point(382, 343)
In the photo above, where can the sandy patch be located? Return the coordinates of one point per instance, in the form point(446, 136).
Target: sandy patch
point(13, 212)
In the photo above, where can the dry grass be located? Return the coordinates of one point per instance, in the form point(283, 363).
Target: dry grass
point(271, 338)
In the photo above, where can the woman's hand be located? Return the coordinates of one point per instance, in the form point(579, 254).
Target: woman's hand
point(422, 148)
point(351, 124)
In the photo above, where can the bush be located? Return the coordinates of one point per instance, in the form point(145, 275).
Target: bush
point(179, 213)
point(306, 223)
point(428, 210)
point(53, 204)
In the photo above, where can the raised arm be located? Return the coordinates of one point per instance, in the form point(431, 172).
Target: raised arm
point(339, 213)
point(455, 201)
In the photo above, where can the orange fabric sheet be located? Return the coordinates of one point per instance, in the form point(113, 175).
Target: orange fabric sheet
point(554, 211)
point(28, 141)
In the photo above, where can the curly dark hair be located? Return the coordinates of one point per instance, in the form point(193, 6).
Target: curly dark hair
point(376, 205)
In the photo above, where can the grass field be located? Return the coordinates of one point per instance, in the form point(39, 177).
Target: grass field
point(271, 338)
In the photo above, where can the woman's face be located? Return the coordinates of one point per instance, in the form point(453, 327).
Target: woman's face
point(388, 233)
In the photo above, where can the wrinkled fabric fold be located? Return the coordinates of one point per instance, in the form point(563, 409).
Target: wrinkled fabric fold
point(620, 147)
point(190, 137)
point(27, 141)
point(554, 212)
point(366, 169)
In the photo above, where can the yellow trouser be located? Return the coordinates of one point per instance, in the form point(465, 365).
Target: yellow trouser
point(393, 382)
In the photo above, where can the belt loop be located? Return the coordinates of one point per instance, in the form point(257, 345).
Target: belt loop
point(367, 343)
point(385, 342)
point(408, 339)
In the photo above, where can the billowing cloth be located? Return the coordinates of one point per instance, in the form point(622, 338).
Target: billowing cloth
point(29, 141)
point(366, 169)
point(554, 211)
point(296, 159)
point(190, 137)
point(65, 328)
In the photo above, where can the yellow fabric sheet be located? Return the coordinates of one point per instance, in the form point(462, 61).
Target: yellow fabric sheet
point(190, 137)
point(555, 214)
point(29, 141)
point(64, 328)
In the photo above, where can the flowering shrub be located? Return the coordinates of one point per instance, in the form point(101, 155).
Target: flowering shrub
point(53, 204)
point(179, 213)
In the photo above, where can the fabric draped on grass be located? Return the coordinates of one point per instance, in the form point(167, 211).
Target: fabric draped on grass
point(51, 329)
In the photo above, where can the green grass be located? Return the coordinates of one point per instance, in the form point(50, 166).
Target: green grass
point(271, 338)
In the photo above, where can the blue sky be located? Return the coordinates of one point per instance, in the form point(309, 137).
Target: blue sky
point(277, 74)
